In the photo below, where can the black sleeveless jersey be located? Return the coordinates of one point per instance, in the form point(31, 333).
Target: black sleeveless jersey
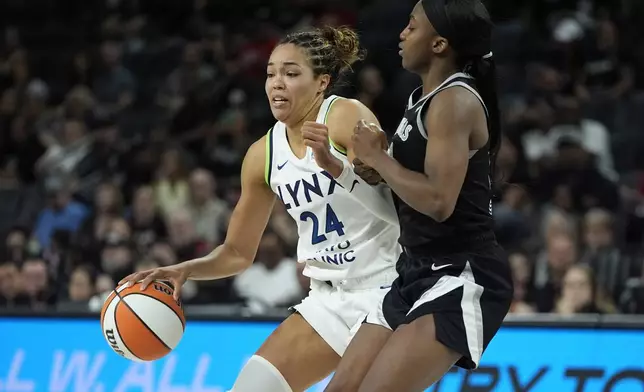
point(472, 217)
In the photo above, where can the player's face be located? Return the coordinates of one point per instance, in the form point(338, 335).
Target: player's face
point(419, 42)
point(291, 86)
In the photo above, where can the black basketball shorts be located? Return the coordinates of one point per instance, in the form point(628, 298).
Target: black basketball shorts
point(469, 295)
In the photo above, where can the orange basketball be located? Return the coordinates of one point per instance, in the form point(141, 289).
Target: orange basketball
point(142, 325)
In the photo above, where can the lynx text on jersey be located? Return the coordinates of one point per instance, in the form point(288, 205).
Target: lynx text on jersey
point(294, 194)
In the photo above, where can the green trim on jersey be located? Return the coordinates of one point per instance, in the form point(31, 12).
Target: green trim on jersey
point(268, 165)
point(335, 146)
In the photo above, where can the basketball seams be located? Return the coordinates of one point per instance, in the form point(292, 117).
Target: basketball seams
point(142, 322)
point(116, 324)
point(183, 325)
point(181, 316)
point(110, 299)
point(107, 304)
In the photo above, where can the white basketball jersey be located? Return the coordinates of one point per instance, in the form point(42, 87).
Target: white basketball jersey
point(338, 238)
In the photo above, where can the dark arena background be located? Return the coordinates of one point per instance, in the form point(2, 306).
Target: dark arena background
point(123, 124)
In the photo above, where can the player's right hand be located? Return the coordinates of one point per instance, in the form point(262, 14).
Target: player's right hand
point(174, 273)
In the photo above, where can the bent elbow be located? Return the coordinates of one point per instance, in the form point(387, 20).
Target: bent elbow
point(239, 260)
point(442, 215)
point(244, 263)
point(440, 209)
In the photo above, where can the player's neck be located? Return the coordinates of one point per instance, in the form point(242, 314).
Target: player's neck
point(437, 73)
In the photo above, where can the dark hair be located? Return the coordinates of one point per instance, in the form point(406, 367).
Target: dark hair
point(330, 50)
point(89, 270)
point(468, 28)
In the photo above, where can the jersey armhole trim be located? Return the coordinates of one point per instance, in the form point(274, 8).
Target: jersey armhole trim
point(335, 146)
point(268, 165)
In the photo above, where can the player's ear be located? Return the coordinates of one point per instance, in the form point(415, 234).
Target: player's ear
point(324, 81)
point(439, 44)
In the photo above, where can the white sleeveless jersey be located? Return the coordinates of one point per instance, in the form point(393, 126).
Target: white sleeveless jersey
point(338, 238)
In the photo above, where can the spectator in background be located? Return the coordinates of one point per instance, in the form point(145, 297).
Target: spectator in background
point(511, 218)
point(36, 284)
point(228, 138)
point(145, 264)
point(272, 280)
point(117, 259)
point(61, 257)
point(557, 223)
point(19, 72)
point(549, 270)
point(191, 73)
point(183, 236)
point(162, 253)
point(591, 135)
point(12, 194)
point(521, 270)
point(541, 144)
point(606, 76)
point(104, 285)
point(62, 212)
point(119, 230)
point(81, 286)
point(573, 183)
point(23, 144)
point(609, 264)
point(208, 212)
point(171, 188)
point(11, 294)
point(16, 245)
point(283, 225)
point(78, 104)
point(371, 92)
point(580, 294)
point(80, 71)
point(114, 85)
point(108, 205)
point(104, 161)
point(65, 153)
point(146, 223)
point(35, 109)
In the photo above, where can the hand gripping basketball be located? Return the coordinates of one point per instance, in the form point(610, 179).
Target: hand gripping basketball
point(175, 274)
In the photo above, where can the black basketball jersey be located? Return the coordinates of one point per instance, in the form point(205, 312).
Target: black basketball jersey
point(472, 217)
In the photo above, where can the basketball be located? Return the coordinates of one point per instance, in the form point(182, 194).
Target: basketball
point(142, 325)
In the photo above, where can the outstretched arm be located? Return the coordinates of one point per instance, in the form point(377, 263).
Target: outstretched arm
point(246, 225)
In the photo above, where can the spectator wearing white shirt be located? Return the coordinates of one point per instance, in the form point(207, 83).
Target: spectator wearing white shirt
point(591, 135)
point(272, 280)
point(208, 212)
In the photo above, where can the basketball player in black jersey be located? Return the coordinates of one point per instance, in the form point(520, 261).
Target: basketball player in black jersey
point(454, 287)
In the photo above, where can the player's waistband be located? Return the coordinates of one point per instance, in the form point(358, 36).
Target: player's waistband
point(379, 280)
point(463, 244)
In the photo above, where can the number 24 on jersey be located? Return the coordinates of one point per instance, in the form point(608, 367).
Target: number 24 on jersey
point(332, 223)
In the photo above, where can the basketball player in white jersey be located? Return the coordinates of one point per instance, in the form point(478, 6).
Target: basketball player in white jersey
point(348, 230)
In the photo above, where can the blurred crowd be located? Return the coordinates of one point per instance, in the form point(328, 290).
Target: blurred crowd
point(123, 125)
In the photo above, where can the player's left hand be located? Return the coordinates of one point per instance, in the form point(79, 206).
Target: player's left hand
point(369, 141)
point(316, 136)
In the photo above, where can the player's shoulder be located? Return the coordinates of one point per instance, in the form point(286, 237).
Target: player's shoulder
point(456, 99)
point(343, 117)
point(344, 106)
